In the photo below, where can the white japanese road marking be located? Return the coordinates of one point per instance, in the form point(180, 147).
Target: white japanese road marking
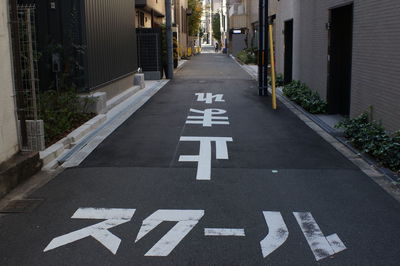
point(223, 232)
point(187, 219)
point(277, 233)
point(99, 231)
point(204, 157)
point(209, 97)
point(320, 245)
point(208, 117)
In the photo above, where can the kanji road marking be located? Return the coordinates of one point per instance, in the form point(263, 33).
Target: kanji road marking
point(208, 98)
point(99, 231)
point(208, 117)
point(204, 157)
point(187, 219)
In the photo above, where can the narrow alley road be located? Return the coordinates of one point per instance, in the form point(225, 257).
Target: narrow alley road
point(206, 173)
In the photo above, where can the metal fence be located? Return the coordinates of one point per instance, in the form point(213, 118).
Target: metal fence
point(26, 77)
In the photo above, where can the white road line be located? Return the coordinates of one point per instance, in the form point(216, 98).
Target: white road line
point(320, 245)
point(223, 232)
point(277, 233)
point(187, 220)
point(99, 231)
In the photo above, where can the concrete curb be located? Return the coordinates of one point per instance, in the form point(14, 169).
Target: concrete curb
point(375, 173)
point(49, 156)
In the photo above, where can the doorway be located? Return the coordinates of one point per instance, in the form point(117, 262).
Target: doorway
point(288, 52)
point(340, 60)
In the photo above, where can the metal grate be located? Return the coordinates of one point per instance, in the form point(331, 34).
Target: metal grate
point(149, 49)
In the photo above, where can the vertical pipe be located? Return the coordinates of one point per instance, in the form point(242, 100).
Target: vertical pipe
point(260, 46)
point(228, 31)
point(170, 63)
point(265, 35)
point(272, 55)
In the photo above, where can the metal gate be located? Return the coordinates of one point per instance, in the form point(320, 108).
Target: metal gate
point(149, 52)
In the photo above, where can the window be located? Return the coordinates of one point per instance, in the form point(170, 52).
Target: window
point(140, 19)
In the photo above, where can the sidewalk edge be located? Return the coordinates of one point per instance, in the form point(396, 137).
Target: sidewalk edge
point(385, 181)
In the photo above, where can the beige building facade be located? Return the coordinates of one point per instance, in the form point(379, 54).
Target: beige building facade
point(149, 13)
point(337, 40)
point(8, 127)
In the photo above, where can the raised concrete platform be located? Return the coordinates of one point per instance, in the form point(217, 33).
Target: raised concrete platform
point(18, 169)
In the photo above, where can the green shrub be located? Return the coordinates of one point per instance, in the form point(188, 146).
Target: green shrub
point(371, 138)
point(279, 80)
point(305, 97)
point(61, 113)
point(247, 56)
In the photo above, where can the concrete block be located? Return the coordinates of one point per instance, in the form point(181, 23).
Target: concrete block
point(94, 103)
point(18, 169)
point(79, 133)
point(122, 97)
point(152, 75)
point(35, 135)
point(96, 121)
point(138, 80)
point(51, 152)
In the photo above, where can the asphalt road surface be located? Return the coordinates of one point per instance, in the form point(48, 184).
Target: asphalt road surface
point(206, 173)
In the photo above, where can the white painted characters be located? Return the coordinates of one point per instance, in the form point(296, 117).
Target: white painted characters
point(208, 117)
point(187, 220)
point(321, 246)
point(204, 158)
point(209, 98)
point(99, 231)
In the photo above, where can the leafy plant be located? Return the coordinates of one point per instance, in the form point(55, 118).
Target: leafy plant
point(62, 112)
point(247, 56)
point(196, 6)
point(371, 138)
point(301, 94)
point(216, 27)
point(279, 82)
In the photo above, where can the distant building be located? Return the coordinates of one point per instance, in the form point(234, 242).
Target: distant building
point(181, 26)
point(150, 13)
point(243, 24)
point(347, 51)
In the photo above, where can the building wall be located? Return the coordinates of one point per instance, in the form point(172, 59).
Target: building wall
point(8, 129)
point(182, 27)
point(376, 53)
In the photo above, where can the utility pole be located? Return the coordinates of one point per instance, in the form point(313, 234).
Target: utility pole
point(228, 31)
point(263, 47)
point(170, 63)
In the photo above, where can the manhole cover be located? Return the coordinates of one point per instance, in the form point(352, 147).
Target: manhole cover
point(22, 206)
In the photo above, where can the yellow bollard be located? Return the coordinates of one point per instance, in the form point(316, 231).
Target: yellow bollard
point(273, 77)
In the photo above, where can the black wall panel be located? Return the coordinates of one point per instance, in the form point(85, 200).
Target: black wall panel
point(110, 37)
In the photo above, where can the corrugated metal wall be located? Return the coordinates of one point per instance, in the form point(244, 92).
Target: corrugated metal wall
point(110, 38)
